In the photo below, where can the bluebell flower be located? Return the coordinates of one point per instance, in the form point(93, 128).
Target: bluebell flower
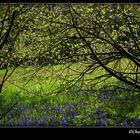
point(13, 116)
point(97, 122)
point(99, 112)
point(105, 118)
point(36, 118)
point(25, 123)
point(31, 122)
point(116, 120)
point(71, 112)
point(49, 102)
point(26, 116)
point(46, 122)
point(10, 123)
point(125, 122)
point(22, 108)
point(63, 122)
point(104, 122)
point(53, 108)
point(58, 109)
point(9, 114)
point(40, 122)
point(71, 106)
point(20, 123)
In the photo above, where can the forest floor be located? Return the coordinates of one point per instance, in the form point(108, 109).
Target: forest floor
point(56, 96)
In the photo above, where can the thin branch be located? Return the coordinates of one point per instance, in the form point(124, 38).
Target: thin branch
point(8, 31)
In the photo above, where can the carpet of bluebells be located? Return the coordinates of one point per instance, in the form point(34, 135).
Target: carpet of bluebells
point(75, 110)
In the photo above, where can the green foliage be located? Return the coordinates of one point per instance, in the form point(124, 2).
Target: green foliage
point(55, 64)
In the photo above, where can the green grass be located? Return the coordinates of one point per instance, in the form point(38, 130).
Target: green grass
point(35, 86)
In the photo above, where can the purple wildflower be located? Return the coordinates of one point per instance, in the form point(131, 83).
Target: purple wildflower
point(36, 118)
point(71, 106)
point(19, 123)
point(125, 122)
point(10, 123)
point(22, 108)
point(46, 122)
point(63, 122)
point(99, 112)
point(58, 109)
point(26, 116)
point(97, 122)
point(49, 103)
point(9, 114)
point(40, 122)
point(116, 120)
point(105, 118)
point(104, 122)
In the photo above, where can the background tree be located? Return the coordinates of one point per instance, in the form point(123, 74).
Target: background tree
point(110, 36)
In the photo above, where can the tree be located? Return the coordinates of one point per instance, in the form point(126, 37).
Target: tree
point(109, 33)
